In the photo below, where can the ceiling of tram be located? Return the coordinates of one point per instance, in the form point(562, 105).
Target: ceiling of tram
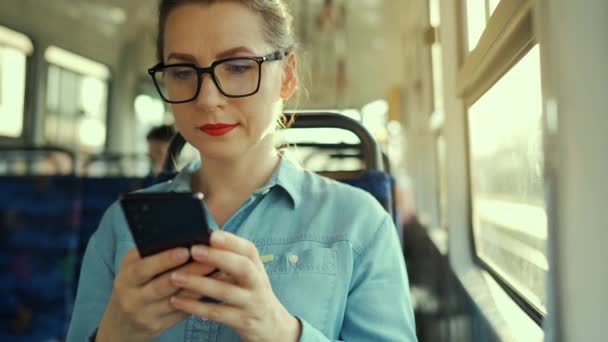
point(353, 50)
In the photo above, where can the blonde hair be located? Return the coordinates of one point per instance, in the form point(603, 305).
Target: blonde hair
point(278, 21)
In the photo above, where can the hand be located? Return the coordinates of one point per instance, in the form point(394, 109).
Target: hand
point(249, 304)
point(140, 308)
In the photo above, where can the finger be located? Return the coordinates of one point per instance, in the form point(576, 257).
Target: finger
point(188, 294)
point(160, 308)
point(162, 286)
point(221, 276)
point(158, 288)
point(230, 242)
point(130, 257)
point(241, 268)
point(197, 268)
point(147, 268)
point(209, 287)
point(220, 313)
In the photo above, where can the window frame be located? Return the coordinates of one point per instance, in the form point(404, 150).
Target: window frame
point(80, 66)
point(518, 297)
point(508, 36)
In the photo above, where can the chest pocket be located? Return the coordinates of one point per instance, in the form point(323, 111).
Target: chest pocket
point(298, 263)
point(304, 281)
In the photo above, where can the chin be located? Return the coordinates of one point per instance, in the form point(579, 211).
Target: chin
point(226, 153)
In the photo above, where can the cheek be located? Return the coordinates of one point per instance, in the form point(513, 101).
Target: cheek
point(263, 112)
point(180, 117)
point(268, 102)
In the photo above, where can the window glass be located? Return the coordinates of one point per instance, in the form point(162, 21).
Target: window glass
point(476, 21)
point(437, 67)
point(492, 5)
point(76, 103)
point(436, 59)
point(435, 17)
point(12, 91)
point(509, 217)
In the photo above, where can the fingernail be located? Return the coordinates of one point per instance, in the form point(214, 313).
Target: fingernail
point(217, 237)
point(181, 254)
point(179, 277)
point(200, 251)
point(176, 301)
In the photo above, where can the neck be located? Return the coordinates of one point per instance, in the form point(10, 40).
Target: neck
point(222, 180)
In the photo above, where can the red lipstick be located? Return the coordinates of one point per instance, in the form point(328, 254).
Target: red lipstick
point(217, 130)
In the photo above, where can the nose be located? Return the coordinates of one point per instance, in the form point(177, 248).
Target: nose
point(209, 95)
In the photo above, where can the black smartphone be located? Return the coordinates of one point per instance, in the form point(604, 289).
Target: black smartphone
point(165, 220)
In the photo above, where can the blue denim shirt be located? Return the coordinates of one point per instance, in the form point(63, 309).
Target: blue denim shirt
point(330, 250)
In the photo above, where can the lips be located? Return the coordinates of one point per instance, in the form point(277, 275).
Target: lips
point(217, 130)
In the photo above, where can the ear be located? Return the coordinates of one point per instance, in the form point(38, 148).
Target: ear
point(289, 81)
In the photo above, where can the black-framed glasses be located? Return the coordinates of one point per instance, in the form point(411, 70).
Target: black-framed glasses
point(233, 77)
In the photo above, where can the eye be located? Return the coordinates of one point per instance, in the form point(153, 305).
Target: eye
point(181, 73)
point(237, 67)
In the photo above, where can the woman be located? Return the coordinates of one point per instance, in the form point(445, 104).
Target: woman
point(302, 257)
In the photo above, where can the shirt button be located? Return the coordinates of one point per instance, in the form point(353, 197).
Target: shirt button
point(293, 259)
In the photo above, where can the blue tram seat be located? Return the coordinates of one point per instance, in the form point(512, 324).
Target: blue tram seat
point(39, 219)
point(374, 179)
point(98, 194)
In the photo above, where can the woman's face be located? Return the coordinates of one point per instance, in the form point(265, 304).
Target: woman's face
point(202, 34)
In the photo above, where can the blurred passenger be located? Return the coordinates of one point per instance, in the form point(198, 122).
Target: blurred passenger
point(404, 198)
point(158, 139)
point(300, 257)
point(54, 164)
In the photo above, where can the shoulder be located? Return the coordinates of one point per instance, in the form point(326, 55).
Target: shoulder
point(314, 185)
point(347, 211)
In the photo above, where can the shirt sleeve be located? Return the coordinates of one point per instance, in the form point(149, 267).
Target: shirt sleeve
point(378, 307)
point(95, 284)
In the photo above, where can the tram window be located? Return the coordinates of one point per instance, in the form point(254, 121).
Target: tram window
point(14, 48)
point(150, 111)
point(437, 117)
point(478, 12)
point(476, 21)
point(506, 162)
point(492, 6)
point(76, 102)
point(436, 54)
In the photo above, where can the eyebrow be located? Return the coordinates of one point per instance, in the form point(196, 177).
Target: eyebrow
point(225, 54)
point(182, 56)
point(234, 51)
point(221, 55)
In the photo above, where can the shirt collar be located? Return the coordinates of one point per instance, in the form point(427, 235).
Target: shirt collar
point(287, 176)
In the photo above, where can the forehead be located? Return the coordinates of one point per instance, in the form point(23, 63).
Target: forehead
point(205, 31)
